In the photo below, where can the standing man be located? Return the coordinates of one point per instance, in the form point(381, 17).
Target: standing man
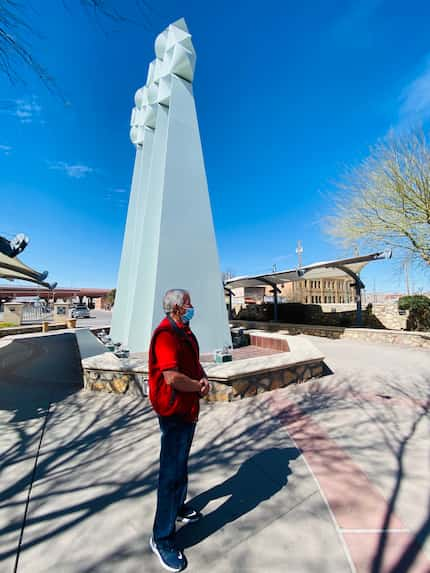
point(177, 381)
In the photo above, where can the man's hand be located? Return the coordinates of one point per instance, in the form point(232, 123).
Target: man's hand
point(181, 381)
point(204, 387)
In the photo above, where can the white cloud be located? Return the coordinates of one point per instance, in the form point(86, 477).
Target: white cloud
point(27, 110)
point(117, 197)
point(77, 171)
point(415, 98)
point(6, 149)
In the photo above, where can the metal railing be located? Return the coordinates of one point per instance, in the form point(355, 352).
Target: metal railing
point(36, 313)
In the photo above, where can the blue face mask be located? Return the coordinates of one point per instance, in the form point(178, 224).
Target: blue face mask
point(189, 313)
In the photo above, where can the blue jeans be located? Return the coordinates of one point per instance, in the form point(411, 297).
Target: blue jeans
point(176, 440)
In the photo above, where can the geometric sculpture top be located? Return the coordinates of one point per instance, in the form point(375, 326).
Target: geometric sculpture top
point(175, 55)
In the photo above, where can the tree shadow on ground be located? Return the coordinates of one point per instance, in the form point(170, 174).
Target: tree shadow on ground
point(259, 478)
point(52, 435)
point(394, 432)
point(36, 372)
point(97, 451)
point(397, 440)
point(79, 472)
point(107, 450)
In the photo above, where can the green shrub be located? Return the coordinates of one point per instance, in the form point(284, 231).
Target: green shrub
point(419, 311)
point(292, 312)
point(253, 312)
point(7, 324)
point(287, 312)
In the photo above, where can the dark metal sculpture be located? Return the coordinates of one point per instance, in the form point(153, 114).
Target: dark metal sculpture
point(11, 268)
point(15, 246)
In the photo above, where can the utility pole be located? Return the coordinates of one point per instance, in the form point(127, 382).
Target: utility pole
point(406, 267)
point(299, 251)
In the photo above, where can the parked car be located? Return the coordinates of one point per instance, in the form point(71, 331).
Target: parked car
point(80, 311)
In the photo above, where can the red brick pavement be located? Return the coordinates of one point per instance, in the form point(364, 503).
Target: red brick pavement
point(243, 353)
point(357, 506)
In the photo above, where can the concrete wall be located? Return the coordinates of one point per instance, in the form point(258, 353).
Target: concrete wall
point(388, 314)
point(12, 313)
point(413, 339)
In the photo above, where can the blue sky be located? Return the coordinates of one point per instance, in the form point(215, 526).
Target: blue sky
point(288, 94)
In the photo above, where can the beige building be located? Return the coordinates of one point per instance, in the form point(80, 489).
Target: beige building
point(306, 291)
point(318, 291)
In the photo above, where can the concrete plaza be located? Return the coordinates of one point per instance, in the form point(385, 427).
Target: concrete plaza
point(329, 476)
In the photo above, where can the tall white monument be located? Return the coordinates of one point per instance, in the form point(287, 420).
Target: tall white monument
point(169, 239)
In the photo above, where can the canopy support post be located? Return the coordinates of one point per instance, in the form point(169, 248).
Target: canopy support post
point(358, 285)
point(230, 302)
point(275, 304)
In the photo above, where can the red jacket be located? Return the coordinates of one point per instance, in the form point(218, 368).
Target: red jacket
point(174, 347)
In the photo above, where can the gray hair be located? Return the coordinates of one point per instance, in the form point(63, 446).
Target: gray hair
point(173, 297)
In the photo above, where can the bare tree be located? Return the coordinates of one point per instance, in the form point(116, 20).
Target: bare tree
point(386, 199)
point(13, 49)
point(16, 31)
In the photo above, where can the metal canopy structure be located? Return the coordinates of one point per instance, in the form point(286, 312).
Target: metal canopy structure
point(16, 291)
point(11, 268)
point(328, 269)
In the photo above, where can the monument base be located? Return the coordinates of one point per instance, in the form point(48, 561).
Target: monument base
point(257, 368)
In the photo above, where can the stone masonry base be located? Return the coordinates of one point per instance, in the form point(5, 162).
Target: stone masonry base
point(117, 382)
point(250, 385)
point(277, 361)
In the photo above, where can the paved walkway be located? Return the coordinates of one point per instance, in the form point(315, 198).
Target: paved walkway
point(330, 476)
